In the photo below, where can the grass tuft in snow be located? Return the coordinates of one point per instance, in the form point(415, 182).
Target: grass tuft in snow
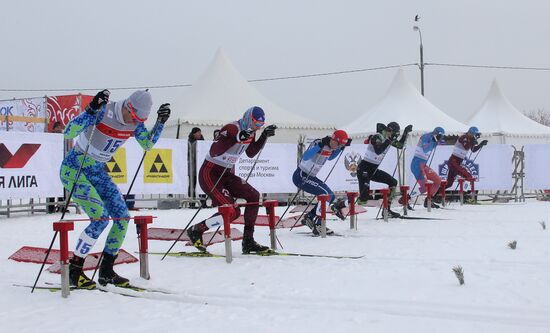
point(459, 272)
point(513, 244)
point(543, 224)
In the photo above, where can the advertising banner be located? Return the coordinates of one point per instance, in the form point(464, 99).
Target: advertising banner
point(344, 175)
point(23, 115)
point(537, 160)
point(164, 169)
point(64, 108)
point(491, 166)
point(272, 173)
point(29, 165)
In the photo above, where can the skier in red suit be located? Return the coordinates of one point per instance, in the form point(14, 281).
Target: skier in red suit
point(218, 181)
point(465, 143)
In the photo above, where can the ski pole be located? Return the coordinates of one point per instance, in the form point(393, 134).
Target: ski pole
point(68, 200)
point(313, 198)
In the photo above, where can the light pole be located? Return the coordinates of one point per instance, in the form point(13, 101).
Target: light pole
point(417, 28)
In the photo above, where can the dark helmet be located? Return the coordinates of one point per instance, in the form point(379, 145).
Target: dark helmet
point(438, 133)
point(394, 127)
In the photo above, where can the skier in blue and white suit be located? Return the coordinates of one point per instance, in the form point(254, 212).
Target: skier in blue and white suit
point(318, 152)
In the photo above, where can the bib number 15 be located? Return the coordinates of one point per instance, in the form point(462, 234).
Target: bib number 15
point(112, 145)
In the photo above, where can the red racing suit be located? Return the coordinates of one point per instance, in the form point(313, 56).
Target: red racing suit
point(465, 143)
point(217, 177)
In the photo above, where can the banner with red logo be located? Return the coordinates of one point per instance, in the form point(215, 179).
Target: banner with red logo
point(29, 165)
point(64, 108)
point(23, 115)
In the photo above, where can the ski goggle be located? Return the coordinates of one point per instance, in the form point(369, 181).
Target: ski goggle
point(133, 113)
point(256, 122)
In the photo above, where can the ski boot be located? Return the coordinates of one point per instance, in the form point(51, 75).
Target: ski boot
point(434, 205)
point(249, 245)
point(318, 227)
point(392, 214)
point(307, 220)
point(77, 278)
point(195, 236)
point(337, 208)
point(409, 207)
point(108, 275)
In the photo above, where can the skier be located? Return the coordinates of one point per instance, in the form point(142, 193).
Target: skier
point(218, 181)
point(377, 146)
point(305, 176)
point(102, 129)
point(466, 142)
point(419, 167)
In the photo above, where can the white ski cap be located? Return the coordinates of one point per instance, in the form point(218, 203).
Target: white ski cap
point(142, 102)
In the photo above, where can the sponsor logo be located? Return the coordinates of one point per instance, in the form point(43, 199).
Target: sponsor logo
point(158, 166)
point(473, 169)
point(20, 158)
point(17, 161)
point(116, 167)
point(351, 162)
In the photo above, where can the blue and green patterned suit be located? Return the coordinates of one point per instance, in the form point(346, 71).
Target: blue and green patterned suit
point(96, 192)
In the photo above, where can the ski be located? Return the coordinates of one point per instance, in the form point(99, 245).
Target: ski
point(311, 234)
point(402, 217)
point(57, 287)
point(189, 254)
point(290, 254)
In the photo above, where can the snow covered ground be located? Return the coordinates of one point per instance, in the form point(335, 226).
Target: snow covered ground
point(404, 283)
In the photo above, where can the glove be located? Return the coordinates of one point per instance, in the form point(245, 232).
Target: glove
point(483, 143)
point(163, 113)
point(325, 141)
point(408, 129)
point(269, 131)
point(348, 143)
point(245, 134)
point(394, 136)
point(100, 99)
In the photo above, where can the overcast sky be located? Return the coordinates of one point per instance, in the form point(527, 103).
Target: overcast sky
point(81, 44)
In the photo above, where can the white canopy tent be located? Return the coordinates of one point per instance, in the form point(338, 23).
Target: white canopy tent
point(222, 95)
point(404, 105)
point(501, 122)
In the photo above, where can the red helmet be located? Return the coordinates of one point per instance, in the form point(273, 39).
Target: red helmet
point(340, 136)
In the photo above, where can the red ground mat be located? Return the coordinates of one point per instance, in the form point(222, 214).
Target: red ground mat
point(172, 234)
point(37, 254)
point(358, 209)
point(263, 221)
point(92, 260)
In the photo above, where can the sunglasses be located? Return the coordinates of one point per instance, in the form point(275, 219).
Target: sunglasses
point(256, 122)
point(133, 112)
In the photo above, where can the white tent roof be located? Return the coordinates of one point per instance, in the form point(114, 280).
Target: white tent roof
point(405, 105)
point(498, 115)
point(222, 95)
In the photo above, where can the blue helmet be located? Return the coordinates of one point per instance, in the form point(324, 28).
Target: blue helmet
point(474, 131)
point(438, 133)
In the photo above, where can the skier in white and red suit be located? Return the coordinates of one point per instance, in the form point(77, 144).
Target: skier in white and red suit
point(465, 143)
point(218, 181)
